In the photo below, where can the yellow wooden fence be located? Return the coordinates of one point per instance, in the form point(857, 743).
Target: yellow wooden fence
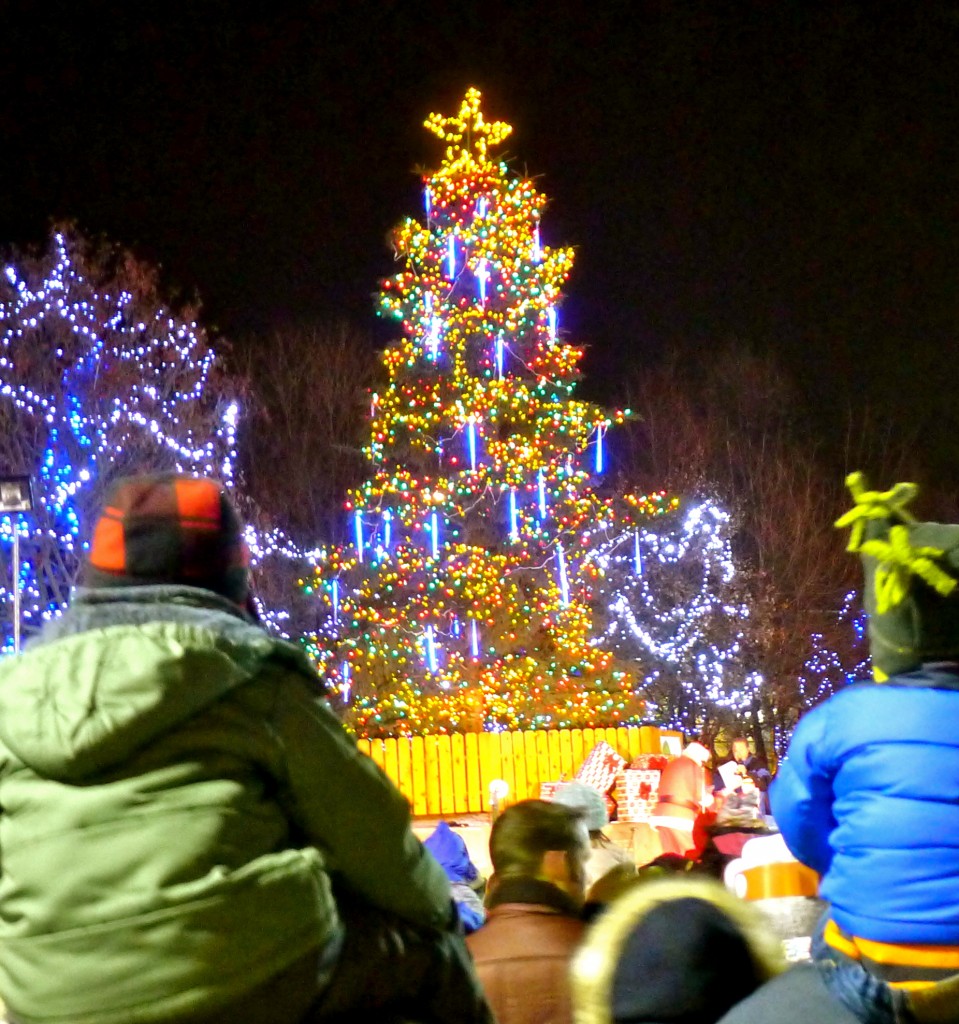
point(442, 775)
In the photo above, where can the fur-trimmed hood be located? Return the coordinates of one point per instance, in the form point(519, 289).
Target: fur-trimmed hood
point(682, 950)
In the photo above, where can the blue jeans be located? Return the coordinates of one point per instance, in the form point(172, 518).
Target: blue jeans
point(871, 999)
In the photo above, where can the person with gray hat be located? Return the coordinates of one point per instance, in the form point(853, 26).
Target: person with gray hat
point(605, 856)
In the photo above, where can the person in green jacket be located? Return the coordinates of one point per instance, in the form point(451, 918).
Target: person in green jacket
point(187, 834)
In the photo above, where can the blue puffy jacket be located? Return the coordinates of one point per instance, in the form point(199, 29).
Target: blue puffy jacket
point(869, 798)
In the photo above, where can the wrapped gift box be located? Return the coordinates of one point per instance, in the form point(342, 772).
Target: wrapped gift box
point(650, 762)
point(636, 793)
point(600, 768)
point(598, 771)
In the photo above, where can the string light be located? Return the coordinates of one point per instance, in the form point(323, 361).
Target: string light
point(482, 276)
point(824, 671)
point(358, 533)
point(345, 685)
point(471, 433)
point(563, 579)
point(679, 613)
point(431, 662)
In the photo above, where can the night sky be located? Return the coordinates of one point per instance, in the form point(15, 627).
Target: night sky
point(781, 173)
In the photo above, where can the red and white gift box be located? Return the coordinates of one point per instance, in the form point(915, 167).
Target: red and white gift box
point(636, 793)
point(548, 790)
point(598, 771)
point(600, 768)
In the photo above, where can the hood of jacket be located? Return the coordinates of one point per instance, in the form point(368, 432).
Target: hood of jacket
point(451, 852)
point(121, 667)
point(677, 950)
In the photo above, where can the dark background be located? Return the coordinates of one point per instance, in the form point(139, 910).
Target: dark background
point(780, 173)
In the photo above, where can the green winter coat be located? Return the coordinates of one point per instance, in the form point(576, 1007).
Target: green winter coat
point(174, 802)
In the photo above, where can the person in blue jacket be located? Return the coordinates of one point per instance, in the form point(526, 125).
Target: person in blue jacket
point(453, 857)
point(868, 795)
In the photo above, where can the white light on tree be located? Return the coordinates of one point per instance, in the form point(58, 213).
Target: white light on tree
point(97, 378)
point(676, 608)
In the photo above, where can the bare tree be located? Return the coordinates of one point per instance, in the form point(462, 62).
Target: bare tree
point(306, 393)
point(735, 428)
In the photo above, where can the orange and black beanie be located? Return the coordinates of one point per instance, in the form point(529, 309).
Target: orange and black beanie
point(169, 529)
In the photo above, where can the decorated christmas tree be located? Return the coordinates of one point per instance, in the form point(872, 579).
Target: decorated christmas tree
point(465, 600)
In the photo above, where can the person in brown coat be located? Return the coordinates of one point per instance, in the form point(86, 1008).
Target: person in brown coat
point(534, 897)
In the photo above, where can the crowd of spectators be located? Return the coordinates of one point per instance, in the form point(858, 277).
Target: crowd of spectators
point(188, 836)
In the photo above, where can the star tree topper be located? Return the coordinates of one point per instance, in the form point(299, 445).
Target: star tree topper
point(480, 135)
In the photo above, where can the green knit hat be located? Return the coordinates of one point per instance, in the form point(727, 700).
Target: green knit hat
point(911, 570)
